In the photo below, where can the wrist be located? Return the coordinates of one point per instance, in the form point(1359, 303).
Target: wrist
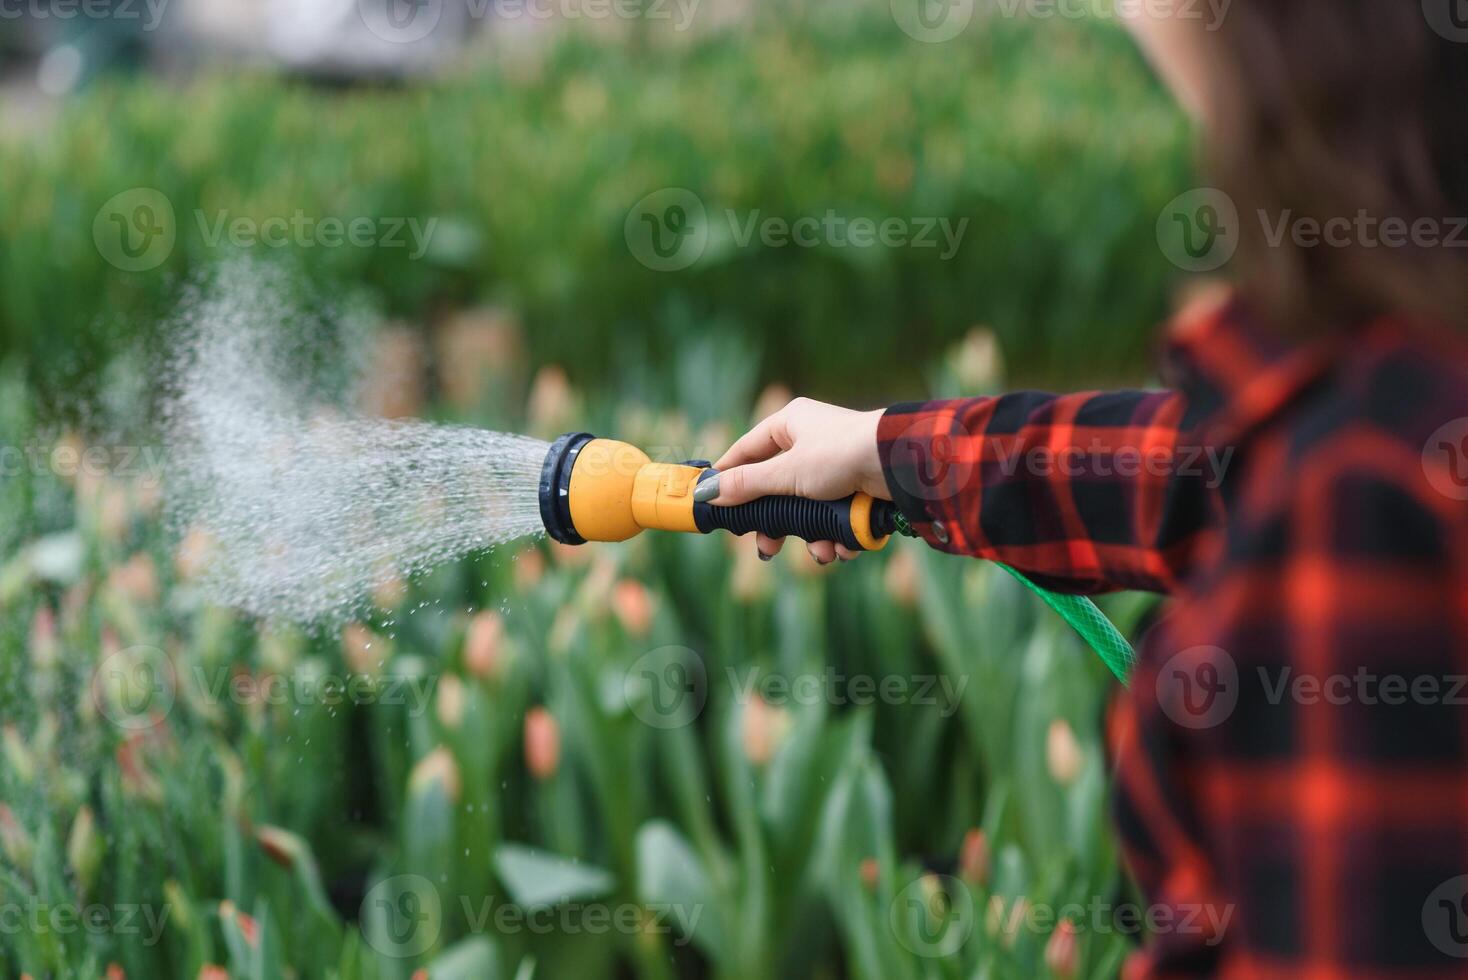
point(870, 477)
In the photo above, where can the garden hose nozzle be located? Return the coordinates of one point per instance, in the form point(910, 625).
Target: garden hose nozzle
point(603, 490)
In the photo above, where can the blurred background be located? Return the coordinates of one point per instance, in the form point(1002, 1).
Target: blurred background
point(651, 218)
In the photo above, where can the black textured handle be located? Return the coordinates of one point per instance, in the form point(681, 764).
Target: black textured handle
point(784, 516)
point(780, 517)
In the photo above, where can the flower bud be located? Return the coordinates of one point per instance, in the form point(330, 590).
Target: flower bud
point(1062, 950)
point(135, 579)
point(871, 874)
point(764, 728)
point(450, 701)
point(529, 569)
point(15, 841)
point(1063, 755)
point(973, 861)
point(484, 645)
point(363, 650)
point(633, 606)
point(437, 768)
point(542, 743)
point(84, 847)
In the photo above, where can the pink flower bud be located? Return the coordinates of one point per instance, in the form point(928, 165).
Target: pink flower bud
point(1062, 950)
point(973, 859)
point(542, 743)
point(1063, 755)
point(764, 728)
point(484, 645)
point(633, 605)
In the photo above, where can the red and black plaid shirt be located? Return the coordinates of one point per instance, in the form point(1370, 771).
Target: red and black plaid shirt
point(1294, 745)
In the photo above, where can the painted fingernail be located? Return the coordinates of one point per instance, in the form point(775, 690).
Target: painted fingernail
point(763, 556)
point(707, 489)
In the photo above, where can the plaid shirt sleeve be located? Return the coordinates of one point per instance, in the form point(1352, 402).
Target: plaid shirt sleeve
point(1087, 492)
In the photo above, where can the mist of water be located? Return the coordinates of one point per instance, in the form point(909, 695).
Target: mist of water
point(306, 506)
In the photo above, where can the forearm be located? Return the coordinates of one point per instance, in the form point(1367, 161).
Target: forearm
point(1083, 493)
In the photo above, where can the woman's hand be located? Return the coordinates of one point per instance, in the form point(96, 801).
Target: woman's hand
point(809, 449)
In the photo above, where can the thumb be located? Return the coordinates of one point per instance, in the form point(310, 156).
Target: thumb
point(742, 484)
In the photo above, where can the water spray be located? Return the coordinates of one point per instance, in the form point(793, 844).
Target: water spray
point(595, 489)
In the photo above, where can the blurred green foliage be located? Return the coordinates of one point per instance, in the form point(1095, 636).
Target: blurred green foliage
point(656, 759)
point(1051, 138)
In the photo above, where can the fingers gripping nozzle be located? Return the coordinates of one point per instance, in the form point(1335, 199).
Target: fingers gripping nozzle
point(603, 490)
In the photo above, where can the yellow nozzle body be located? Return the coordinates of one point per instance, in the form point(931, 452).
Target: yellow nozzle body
point(616, 491)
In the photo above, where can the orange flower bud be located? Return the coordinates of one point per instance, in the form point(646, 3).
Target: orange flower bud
point(529, 569)
point(1063, 755)
point(871, 873)
point(1062, 950)
point(193, 553)
point(363, 650)
point(764, 729)
point(450, 701)
point(436, 768)
point(135, 579)
point(484, 645)
point(973, 859)
point(633, 605)
point(542, 743)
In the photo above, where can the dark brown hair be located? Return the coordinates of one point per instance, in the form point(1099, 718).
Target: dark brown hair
point(1331, 109)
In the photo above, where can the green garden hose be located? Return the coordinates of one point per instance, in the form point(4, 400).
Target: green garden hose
point(1091, 623)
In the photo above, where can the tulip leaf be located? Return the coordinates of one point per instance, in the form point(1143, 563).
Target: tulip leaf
point(535, 877)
